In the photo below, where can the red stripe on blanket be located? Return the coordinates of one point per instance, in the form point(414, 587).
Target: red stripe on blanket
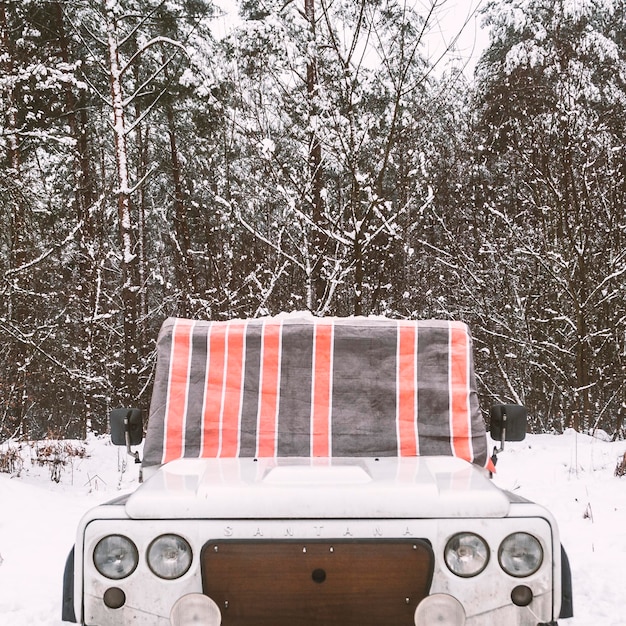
point(269, 390)
point(460, 414)
point(321, 390)
point(407, 390)
point(178, 387)
point(231, 410)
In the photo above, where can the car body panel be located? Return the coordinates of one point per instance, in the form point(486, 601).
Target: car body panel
point(396, 487)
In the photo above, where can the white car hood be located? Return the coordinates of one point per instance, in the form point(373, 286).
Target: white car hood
point(339, 488)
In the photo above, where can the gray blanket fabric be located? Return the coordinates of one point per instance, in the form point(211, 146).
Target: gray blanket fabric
point(314, 387)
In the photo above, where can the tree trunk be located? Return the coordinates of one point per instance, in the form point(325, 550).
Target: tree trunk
point(318, 284)
point(130, 289)
point(186, 269)
point(11, 126)
point(83, 205)
point(16, 306)
point(142, 174)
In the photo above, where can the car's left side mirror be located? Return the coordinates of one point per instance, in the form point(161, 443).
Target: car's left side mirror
point(127, 429)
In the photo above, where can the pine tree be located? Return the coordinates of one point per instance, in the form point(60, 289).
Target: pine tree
point(551, 110)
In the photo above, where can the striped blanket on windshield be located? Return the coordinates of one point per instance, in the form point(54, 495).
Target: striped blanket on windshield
point(314, 387)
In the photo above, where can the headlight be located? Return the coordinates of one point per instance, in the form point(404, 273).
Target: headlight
point(115, 556)
point(466, 554)
point(169, 556)
point(195, 608)
point(520, 555)
point(439, 608)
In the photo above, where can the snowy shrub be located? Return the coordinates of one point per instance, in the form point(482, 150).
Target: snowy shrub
point(56, 455)
point(620, 468)
point(11, 461)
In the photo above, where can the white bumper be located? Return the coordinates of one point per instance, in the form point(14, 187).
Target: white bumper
point(203, 509)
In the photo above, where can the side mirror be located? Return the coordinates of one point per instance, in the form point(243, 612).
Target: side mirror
point(508, 423)
point(127, 429)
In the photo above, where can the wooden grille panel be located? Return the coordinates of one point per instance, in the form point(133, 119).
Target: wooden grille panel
point(321, 583)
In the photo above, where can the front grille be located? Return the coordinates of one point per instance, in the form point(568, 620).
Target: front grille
point(321, 583)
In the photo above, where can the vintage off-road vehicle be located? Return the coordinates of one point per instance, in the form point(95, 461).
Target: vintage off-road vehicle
point(330, 472)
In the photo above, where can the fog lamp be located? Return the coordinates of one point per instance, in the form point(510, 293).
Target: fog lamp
point(114, 598)
point(195, 608)
point(441, 609)
point(522, 595)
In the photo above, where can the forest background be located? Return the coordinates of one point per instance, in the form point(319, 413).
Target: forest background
point(315, 157)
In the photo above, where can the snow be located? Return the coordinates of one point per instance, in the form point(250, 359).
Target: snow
point(38, 521)
point(571, 474)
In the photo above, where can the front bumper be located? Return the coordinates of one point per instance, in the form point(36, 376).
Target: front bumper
point(485, 599)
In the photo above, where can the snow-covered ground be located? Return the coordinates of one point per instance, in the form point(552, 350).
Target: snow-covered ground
point(572, 474)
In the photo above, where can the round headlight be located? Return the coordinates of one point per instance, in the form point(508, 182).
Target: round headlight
point(520, 555)
point(115, 556)
point(466, 554)
point(169, 556)
point(439, 608)
point(195, 608)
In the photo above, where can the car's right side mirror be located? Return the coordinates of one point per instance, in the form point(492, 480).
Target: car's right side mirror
point(508, 422)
